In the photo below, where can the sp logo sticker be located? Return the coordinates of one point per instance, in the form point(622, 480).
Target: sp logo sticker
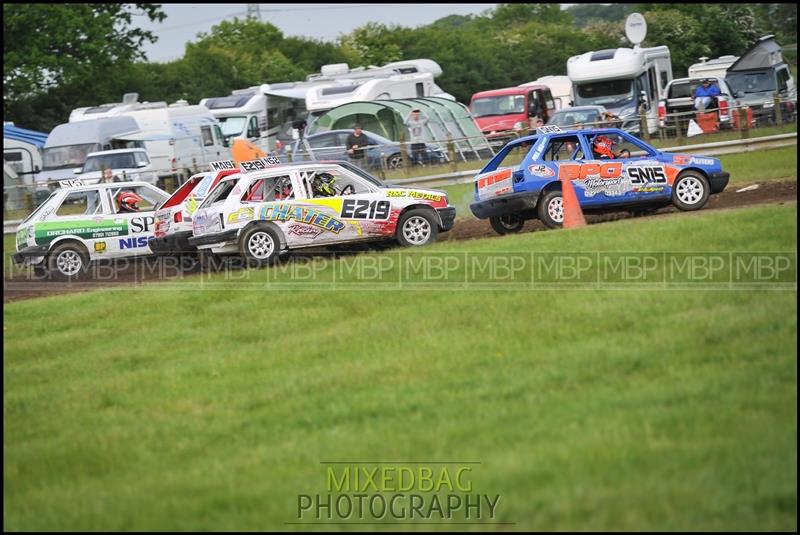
point(541, 170)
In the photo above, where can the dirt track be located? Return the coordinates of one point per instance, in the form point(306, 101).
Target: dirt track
point(134, 271)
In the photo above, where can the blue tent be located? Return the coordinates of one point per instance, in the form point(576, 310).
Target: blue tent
point(28, 136)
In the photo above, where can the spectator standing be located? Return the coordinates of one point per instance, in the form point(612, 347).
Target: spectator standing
point(704, 94)
point(355, 143)
point(416, 135)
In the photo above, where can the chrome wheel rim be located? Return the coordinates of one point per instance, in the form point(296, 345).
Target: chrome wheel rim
point(260, 245)
point(690, 190)
point(69, 263)
point(417, 230)
point(555, 209)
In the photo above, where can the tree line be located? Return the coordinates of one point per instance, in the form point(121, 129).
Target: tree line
point(58, 57)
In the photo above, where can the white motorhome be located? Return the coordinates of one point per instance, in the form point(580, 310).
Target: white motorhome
point(622, 79)
point(560, 89)
point(68, 145)
point(715, 68)
point(265, 114)
point(179, 138)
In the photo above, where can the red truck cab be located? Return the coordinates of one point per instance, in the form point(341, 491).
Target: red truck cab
point(502, 113)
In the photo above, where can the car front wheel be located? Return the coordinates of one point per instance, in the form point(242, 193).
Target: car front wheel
point(259, 245)
point(417, 227)
point(690, 191)
point(67, 262)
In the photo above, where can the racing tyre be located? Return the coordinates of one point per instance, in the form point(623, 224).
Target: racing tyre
point(417, 227)
point(690, 191)
point(67, 262)
point(507, 224)
point(551, 209)
point(259, 245)
point(395, 161)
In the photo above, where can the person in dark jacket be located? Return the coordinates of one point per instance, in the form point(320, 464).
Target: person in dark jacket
point(355, 146)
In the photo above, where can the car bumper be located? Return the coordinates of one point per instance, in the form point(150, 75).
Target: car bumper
point(34, 251)
point(718, 181)
point(504, 205)
point(211, 239)
point(448, 217)
point(175, 243)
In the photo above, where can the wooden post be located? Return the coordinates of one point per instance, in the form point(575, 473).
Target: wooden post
point(404, 154)
point(29, 204)
point(643, 122)
point(744, 128)
point(778, 110)
point(382, 168)
point(169, 184)
point(451, 152)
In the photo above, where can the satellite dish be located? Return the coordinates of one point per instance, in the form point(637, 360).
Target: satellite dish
point(635, 28)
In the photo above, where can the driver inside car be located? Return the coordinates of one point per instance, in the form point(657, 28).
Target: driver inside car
point(322, 185)
point(602, 148)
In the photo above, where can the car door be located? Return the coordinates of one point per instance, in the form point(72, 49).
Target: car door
point(139, 226)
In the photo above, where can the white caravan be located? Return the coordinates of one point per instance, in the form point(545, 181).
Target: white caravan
point(328, 96)
point(179, 138)
point(560, 89)
point(715, 68)
point(267, 113)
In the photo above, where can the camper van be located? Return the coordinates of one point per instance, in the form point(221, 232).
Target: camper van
point(622, 80)
point(268, 113)
point(760, 74)
point(179, 138)
point(560, 89)
point(69, 144)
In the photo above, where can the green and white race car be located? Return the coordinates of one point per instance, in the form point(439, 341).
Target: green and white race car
point(80, 223)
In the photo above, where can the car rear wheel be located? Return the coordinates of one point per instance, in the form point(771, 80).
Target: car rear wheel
point(417, 227)
point(259, 245)
point(690, 191)
point(551, 209)
point(67, 262)
point(507, 224)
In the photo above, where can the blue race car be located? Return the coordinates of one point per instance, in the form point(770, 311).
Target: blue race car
point(610, 169)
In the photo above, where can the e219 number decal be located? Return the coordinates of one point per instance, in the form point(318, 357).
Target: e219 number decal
point(364, 209)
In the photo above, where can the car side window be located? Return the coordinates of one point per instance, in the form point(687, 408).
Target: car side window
point(80, 203)
point(148, 196)
point(276, 188)
point(562, 149)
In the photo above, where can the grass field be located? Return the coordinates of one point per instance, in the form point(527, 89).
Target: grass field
point(183, 406)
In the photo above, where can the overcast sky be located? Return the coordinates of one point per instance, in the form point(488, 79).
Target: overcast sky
point(321, 21)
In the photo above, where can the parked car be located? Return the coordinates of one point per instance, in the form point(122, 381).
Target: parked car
point(331, 145)
point(584, 116)
point(677, 109)
point(173, 224)
point(271, 208)
point(80, 223)
point(609, 168)
point(118, 166)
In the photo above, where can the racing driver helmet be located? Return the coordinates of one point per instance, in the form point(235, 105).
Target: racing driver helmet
point(127, 201)
point(601, 147)
point(323, 184)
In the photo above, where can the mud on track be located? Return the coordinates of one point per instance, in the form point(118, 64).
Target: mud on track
point(133, 271)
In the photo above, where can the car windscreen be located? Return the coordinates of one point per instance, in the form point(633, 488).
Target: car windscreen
point(606, 93)
point(363, 174)
point(751, 82)
point(67, 156)
point(220, 192)
point(500, 105)
point(123, 160)
point(39, 208)
point(231, 126)
point(180, 195)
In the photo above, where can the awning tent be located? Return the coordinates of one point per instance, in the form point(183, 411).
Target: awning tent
point(763, 55)
point(447, 119)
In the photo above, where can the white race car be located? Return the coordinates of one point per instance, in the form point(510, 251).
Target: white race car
point(173, 226)
point(272, 207)
point(80, 223)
